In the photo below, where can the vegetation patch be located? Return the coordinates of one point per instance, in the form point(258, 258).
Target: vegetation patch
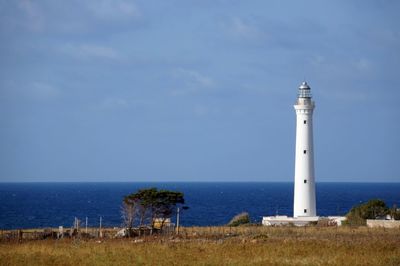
point(242, 245)
point(240, 219)
point(373, 209)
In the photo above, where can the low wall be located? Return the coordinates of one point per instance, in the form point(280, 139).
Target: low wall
point(383, 223)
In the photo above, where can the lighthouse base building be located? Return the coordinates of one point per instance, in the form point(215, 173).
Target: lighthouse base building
point(300, 221)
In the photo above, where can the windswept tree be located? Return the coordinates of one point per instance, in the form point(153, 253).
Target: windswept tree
point(152, 205)
point(143, 199)
point(164, 205)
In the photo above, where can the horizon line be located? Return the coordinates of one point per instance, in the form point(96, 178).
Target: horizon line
point(196, 181)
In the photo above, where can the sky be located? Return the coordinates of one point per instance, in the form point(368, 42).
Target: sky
point(153, 90)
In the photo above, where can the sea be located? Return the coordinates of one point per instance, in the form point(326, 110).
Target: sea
point(40, 205)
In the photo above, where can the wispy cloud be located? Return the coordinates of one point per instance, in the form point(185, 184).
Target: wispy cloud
point(317, 60)
point(194, 77)
point(33, 18)
point(261, 31)
point(120, 103)
point(73, 16)
point(44, 91)
point(240, 28)
point(90, 51)
point(113, 9)
point(113, 103)
point(347, 95)
point(30, 90)
point(191, 81)
point(206, 109)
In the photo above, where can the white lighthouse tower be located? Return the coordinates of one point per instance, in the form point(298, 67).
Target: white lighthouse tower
point(304, 209)
point(304, 180)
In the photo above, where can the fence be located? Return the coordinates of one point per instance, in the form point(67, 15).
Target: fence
point(204, 232)
point(85, 233)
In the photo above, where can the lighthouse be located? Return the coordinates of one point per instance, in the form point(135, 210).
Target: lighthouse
point(304, 209)
point(304, 179)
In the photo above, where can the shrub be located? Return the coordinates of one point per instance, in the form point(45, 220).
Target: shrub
point(395, 212)
point(239, 219)
point(371, 210)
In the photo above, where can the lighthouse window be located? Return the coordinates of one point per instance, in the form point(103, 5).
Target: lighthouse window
point(305, 181)
point(305, 151)
point(305, 210)
point(305, 121)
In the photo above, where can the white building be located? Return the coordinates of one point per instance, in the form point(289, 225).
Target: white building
point(304, 180)
point(285, 220)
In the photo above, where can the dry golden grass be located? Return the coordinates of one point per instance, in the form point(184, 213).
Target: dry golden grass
point(218, 246)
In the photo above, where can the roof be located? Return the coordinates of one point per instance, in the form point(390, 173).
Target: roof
point(304, 86)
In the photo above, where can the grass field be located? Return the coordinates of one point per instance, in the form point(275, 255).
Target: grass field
point(218, 246)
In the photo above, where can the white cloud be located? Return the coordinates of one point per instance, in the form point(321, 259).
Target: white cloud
point(351, 95)
point(73, 16)
point(191, 81)
point(43, 91)
point(113, 9)
point(31, 90)
point(33, 17)
point(242, 29)
point(194, 77)
point(116, 103)
point(90, 50)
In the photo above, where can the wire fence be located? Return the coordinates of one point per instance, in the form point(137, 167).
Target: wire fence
point(201, 232)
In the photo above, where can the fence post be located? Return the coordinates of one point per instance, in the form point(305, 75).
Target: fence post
point(177, 221)
point(100, 233)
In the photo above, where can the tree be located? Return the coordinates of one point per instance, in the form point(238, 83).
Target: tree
point(154, 205)
point(165, 204)
point(143, 199)
point(129, 211)
point(371, 210)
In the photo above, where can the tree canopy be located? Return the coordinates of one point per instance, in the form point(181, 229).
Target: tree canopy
point(151, 204)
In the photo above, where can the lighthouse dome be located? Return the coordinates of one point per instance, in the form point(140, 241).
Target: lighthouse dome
point(304, 86)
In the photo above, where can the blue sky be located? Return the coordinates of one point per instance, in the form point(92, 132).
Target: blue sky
point(118, 90)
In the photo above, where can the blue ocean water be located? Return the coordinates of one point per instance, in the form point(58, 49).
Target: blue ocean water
point(32, 205)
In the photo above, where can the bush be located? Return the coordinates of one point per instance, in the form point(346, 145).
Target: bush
point(239, 219)
point(371, 210)
point(395, 212)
